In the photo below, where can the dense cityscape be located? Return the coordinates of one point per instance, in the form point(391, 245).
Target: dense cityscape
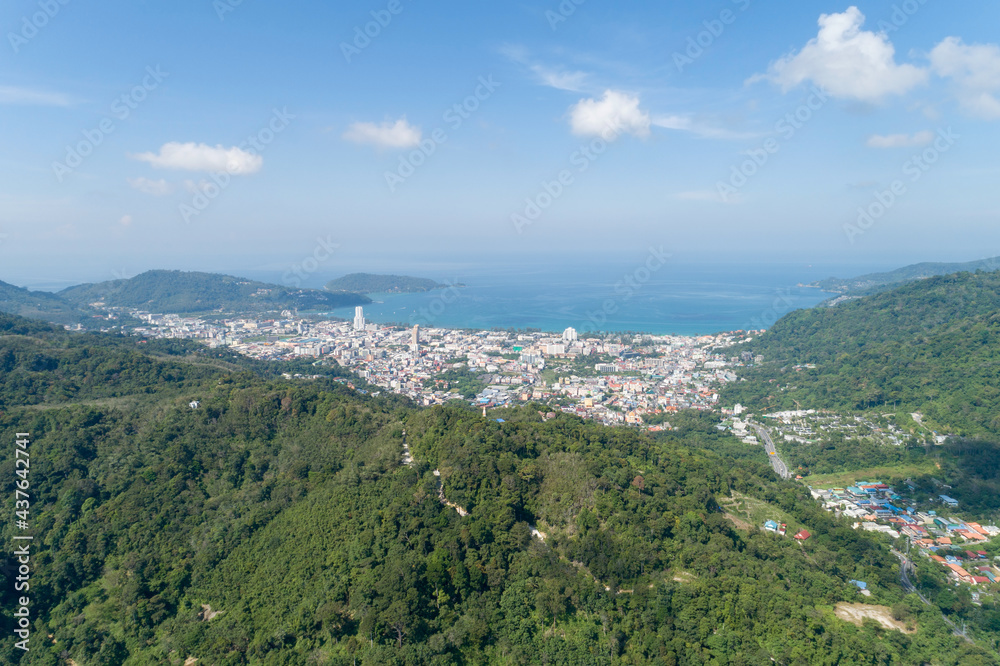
point(611, 379)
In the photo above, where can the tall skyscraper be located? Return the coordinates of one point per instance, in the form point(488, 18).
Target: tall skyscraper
point(570, 335)
point(359, 318)
point(415, 339)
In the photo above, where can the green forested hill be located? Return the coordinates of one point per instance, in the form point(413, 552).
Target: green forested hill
point(39, 304)
point(275, 524)
point(931, 346)
point(181, 292)
point(873, 283)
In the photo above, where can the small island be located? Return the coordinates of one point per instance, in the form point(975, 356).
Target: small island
point(367, 283)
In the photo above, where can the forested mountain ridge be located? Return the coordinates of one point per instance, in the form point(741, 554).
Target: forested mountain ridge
point(177, 292)
point(276, 524)
point(930, 346)
point(876, 282)
point(39, 304)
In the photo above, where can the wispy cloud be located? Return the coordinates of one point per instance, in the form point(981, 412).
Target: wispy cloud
point(399, 134)
point(156, 188)
point(560, 80)
point(698, 128)
point(13, 95)
point(547, 75)
point(900, 140)
point(707, 195)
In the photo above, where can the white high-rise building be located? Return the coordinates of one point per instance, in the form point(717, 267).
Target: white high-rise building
point(570, 335)
point(415, 339)
point(359, 318)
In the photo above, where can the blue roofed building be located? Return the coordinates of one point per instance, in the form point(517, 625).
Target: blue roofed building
point(950, 502)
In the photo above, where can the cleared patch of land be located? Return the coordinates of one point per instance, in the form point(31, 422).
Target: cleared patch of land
point(885, 472)
point(747, 513)
point(858, 613)
point(740, 524)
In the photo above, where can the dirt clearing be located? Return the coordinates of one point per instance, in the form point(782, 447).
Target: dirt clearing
point(856, 614)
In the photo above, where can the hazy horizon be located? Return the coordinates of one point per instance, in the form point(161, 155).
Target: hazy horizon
point(291, 271)
point(853, 134)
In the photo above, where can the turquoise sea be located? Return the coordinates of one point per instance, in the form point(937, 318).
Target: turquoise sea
point(640, 296)
point(641, 293)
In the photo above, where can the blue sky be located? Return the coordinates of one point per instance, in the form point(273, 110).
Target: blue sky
point(234, 135)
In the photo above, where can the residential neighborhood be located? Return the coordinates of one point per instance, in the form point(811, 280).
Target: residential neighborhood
point(955, 544)
point(636, 380)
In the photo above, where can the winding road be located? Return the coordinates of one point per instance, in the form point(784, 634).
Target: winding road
point(906, 566)
point(772, 453)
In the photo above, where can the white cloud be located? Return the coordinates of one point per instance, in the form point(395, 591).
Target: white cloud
point(28, 97)
point(126, 221)
point(201, 157)
point(847, 62)
point(976, 70)
point(157, 188)
point(900, 140)
point(399, 134)
point(613, 114)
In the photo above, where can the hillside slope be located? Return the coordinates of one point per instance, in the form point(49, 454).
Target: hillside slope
point(876, 282)
point(276, 524)
point(178, 292)
point(39, 304)
point(931, 346)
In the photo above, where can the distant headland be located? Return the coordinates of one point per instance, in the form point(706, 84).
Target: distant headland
point(367, 283)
